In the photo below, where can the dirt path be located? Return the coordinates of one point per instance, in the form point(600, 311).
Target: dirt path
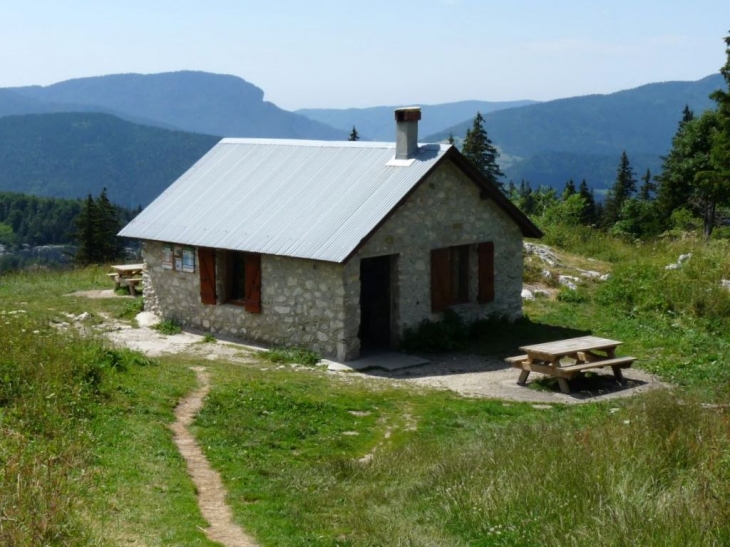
point(211, 493)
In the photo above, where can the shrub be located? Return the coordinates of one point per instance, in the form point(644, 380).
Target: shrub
point(168, 326)
point(291, 356)
point(577, 296)
point(449, 334)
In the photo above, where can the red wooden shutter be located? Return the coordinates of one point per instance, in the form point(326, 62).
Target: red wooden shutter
point(486, 272)
point(206, 263)
point(440, 275)
point(252, 302)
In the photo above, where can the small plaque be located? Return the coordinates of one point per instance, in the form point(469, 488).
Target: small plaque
point(167, 257)
point(188, 260)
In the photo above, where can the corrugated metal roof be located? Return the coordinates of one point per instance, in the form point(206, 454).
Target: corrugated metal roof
point(306, 199)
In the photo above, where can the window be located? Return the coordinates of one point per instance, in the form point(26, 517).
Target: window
point(241, 278)
point(450, 273)
point(449, 277)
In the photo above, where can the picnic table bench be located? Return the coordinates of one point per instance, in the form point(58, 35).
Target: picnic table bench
point(127, 275)
point(582, 353)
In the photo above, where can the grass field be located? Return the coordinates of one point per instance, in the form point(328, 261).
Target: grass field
point(314, 459)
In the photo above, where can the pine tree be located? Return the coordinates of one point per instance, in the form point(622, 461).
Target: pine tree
point(675, 181)
point(714, 186)
point(451, 138)
point(480, 151)
point(110, 246)
point(623, 188)
point(648, 187)
point(85, 233)
point(687, 115)
point(96, 232)
point(526, 199)
point(354, 136)
point(590, 214)
point(569, 189)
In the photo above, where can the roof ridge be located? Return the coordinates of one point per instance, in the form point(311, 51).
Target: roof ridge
point(324, 144)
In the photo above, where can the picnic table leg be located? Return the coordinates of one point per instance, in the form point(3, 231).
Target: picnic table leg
point(523, 377)
point(564, 387)
point(619, 375)
point(132, 289)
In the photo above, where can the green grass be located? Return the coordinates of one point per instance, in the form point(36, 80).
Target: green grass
point(677, 322)
point(455, 471)
point(291, 356)
point(287, 445)
point(87, 457)
point(141, 493)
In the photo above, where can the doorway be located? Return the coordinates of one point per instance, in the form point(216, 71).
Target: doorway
point(376, 303)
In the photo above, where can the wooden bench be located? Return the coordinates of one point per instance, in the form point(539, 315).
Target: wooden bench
point(568, 371)
point(616, 364)
point(547, 359)
point(132, 283)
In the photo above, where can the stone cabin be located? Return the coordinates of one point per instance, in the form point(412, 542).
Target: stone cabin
point(334, 246)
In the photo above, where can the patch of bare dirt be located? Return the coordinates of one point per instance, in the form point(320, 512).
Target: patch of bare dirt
point(211, 493)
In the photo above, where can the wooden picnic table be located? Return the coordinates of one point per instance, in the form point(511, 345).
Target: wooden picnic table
point(129, 275)
point(565, 359)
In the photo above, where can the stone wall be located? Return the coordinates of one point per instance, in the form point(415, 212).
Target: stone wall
point(444, 211)
point(302, 302)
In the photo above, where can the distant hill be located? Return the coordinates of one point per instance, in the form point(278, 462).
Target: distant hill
point(556, 168)
point(548, 140)
point(376, 123)
point(200, 102)
point(70, 155)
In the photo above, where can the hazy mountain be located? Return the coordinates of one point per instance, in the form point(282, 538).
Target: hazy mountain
point(376, 123)
point(192, 101)
point(573, 136)
point(555, 168)
point(70, 155)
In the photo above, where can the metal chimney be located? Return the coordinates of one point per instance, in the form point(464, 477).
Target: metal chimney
point(406, 132)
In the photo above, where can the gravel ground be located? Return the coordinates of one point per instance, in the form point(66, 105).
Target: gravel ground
point(467, 375)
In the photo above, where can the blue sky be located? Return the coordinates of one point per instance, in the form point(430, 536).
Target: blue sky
point(327, 53)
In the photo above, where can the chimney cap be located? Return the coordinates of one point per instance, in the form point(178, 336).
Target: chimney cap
point(408, 114)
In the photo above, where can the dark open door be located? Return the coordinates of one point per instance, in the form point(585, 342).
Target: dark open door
point(375, 302)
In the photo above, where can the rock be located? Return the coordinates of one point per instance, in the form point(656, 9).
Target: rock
point(725, 284)
point(83, 317)
point(681, 260)
point(147, 319)
point(605, 277)
point(590, 274)
point(569, 282)
point(542, 293)
point(684, 258)
point(527, 295)
point(543, 252)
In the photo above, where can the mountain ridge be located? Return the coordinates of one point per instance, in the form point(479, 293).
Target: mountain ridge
point(376, 122)
point(194, 101)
